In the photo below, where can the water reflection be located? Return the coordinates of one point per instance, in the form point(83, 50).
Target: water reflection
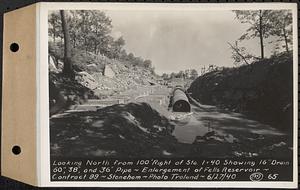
point(186, 132)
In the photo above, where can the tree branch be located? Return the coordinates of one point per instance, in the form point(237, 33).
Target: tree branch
point(237, 51)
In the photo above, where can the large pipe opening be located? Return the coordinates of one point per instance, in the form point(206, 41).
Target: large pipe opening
point(181, 106)
point(180, 102)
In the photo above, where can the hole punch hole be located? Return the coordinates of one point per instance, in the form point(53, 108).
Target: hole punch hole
point(14, 47)
point(16, 150)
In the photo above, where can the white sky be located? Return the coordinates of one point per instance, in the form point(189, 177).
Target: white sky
point(179, 40)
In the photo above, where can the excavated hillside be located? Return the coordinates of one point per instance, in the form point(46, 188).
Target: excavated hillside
point(97, 77)
point(262, 90)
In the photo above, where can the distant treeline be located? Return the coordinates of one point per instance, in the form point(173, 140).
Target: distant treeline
point(186, 74)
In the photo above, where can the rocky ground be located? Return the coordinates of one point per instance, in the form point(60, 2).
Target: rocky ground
point(102, 75)
point(146, 128)
point(128, 130)
point(96, 77)
point(113, 109)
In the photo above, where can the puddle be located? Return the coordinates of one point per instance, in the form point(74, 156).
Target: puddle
point(188, 131)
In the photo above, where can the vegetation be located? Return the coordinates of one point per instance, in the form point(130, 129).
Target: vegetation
point(259, 87)
point(187, 74)
point(282, 28)
point(262, 24)
point(263, 90)
point(80, 47)
point(89, 31)
point(92, 64)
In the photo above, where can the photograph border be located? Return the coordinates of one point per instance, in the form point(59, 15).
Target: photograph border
point(43, 143)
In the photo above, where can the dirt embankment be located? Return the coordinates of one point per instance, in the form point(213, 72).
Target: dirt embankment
point(262, 90)
point(131, 130)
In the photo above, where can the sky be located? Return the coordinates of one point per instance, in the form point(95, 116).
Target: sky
point(178, 40)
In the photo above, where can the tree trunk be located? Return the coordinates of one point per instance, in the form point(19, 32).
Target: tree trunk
point(74, 42)
point(53, 25)
point(261, 35)
point(285, 40)
point(68, 68)
point(84, 33)
point(85, 45)
point(95, 43)
point(95, 47)
point(54, 37)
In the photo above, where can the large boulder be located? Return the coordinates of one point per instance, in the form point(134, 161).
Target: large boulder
point(52, 64)
point(109, 72)
point(86, 80)
point(65, 92)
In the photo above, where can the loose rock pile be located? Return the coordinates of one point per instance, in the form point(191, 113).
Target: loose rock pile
point(102, 75)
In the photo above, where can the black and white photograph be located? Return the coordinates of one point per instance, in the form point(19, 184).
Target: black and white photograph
point(143, 84)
